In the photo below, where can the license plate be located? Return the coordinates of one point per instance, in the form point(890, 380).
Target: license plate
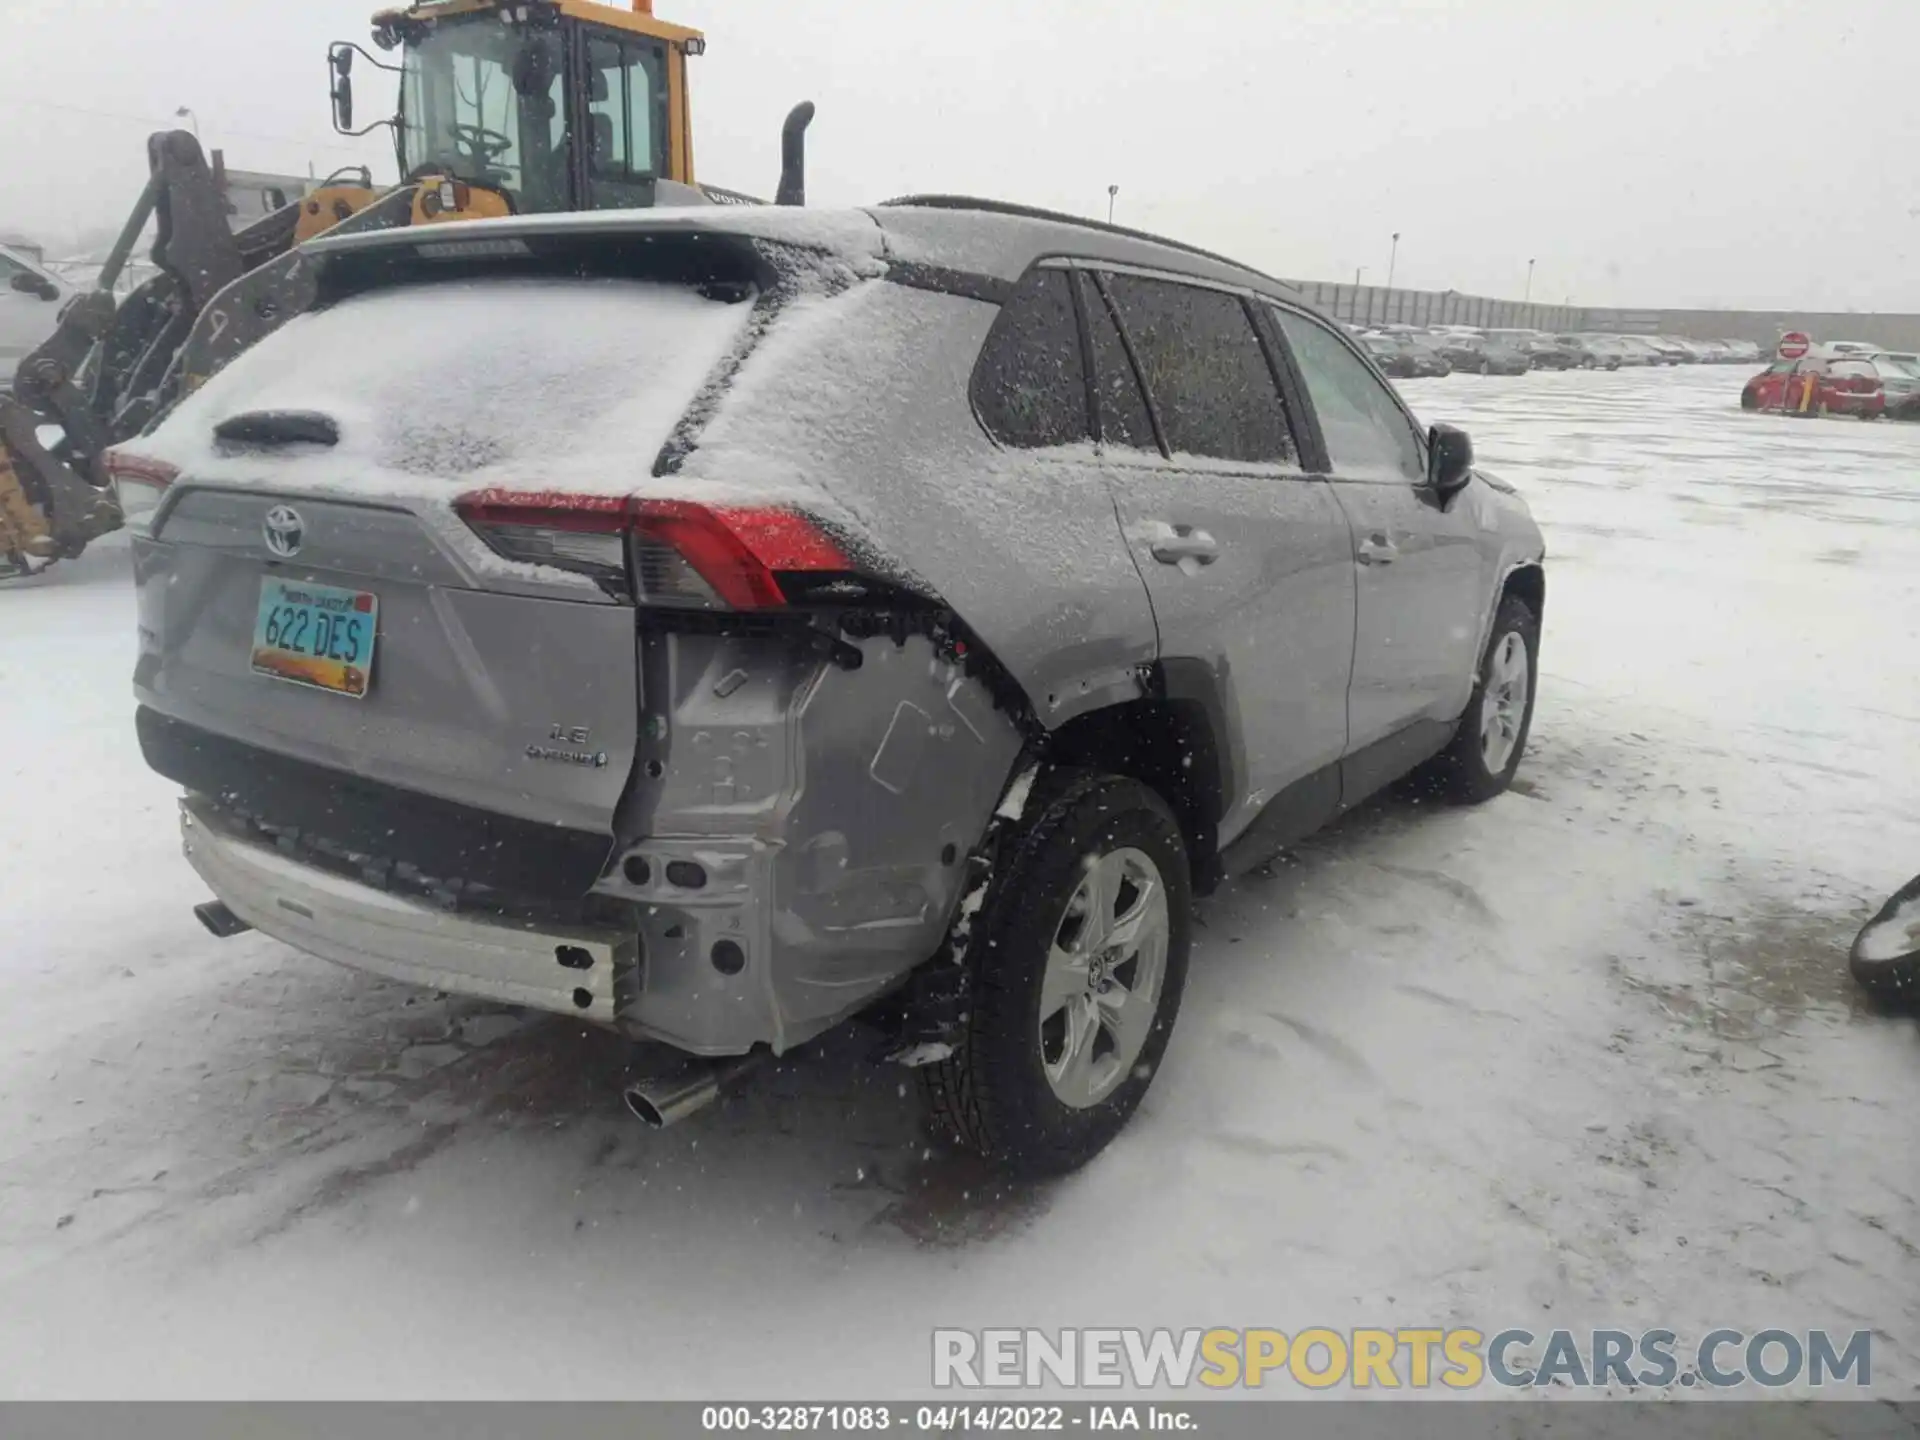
point(316, 635)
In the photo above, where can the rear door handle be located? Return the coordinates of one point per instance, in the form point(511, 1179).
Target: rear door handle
point(1183, 542)
point(1377, 550)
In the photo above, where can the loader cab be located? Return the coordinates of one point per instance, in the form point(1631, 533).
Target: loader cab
point(557, 105)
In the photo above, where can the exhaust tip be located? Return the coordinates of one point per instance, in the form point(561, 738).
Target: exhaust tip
point(221, 922)
point(645, 1111)
point(658, 1101)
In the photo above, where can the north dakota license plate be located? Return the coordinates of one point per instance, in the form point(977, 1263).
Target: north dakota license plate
point(316, 635)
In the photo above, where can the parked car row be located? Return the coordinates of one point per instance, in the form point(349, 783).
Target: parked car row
point(1408, 351)
point(1840, 379)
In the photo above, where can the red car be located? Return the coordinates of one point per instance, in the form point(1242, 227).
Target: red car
point(1818, 385)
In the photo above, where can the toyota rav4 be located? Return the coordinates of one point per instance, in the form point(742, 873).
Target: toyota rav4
point(717, 623)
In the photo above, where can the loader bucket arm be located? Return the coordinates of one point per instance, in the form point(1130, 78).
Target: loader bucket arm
point(108, 369)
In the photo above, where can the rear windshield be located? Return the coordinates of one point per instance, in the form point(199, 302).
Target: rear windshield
point(431, 381)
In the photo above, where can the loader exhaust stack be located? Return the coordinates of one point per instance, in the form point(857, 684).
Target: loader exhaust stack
point(793, 156)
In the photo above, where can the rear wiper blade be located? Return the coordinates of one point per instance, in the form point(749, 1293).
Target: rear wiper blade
point(278, 427)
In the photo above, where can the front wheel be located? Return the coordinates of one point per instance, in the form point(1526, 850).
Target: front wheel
point(1486, 367)
point(1075, 969)
point(1480, 761)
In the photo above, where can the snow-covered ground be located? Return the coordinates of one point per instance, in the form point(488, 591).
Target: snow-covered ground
point(1587, 1055)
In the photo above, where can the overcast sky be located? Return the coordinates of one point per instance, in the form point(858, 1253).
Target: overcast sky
point(1686, 152)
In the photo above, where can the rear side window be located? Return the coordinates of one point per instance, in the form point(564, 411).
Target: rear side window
point(1204, 368)
point(1030, 384)
point(1122, 408)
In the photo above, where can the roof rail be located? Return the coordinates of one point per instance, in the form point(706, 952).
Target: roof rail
point(1034, 212)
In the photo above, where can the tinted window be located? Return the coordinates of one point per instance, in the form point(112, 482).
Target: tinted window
point(9, 269)
point(1204, 368)
point(1365, 430)
point(1030, 386)
point(1123, 415)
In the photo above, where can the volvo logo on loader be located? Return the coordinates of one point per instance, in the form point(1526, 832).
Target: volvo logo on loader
point(284, 530)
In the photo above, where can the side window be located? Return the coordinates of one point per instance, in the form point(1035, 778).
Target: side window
point(1365, 429)
point(1029, 385)
point(1123, 410)
point(1204, 368)
point(623, 85)
point(10, 268)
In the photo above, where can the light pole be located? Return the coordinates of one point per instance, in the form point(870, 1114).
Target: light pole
point(1529, 295)
point(1393, 257)
point(1113, 193)
point(184, 113)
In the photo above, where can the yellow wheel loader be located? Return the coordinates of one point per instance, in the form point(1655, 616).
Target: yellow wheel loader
point(506, 107)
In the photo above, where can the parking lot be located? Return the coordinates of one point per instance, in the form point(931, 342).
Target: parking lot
point(1586, 1055)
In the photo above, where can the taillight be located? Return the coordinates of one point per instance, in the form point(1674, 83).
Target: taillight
point(583, 534)
point(659, 552)
point(139, 483)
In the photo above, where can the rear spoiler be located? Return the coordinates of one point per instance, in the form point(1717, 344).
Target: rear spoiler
point(720, 249)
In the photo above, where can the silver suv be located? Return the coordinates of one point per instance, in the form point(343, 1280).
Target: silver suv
point(716, 624)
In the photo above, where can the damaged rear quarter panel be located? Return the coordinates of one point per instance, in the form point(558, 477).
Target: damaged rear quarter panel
point(832, 811)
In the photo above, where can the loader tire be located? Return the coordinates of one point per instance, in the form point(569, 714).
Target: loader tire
point(24, 534)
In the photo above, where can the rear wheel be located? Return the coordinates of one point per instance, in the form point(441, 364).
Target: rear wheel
point(1075, 971)
point(1480, 760)
point(1486, 367)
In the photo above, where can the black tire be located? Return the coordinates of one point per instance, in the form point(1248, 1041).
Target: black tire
point(992, 1095)
point(1460, 771)
point(1895, 980)
point(1749, 400)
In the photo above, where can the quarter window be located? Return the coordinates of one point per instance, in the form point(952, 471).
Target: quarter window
point(1365, 429)
point(1030, 385)
point(1204, 367)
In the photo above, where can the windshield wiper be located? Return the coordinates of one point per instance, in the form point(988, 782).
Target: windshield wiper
point(278, 427)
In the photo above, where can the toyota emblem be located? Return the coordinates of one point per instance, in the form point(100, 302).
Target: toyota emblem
point(284, 530)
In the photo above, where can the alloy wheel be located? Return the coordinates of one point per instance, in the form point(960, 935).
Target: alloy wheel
point(1101, 988)
point(1503, 704)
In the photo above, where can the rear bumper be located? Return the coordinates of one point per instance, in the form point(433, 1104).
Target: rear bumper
point(591, 974)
